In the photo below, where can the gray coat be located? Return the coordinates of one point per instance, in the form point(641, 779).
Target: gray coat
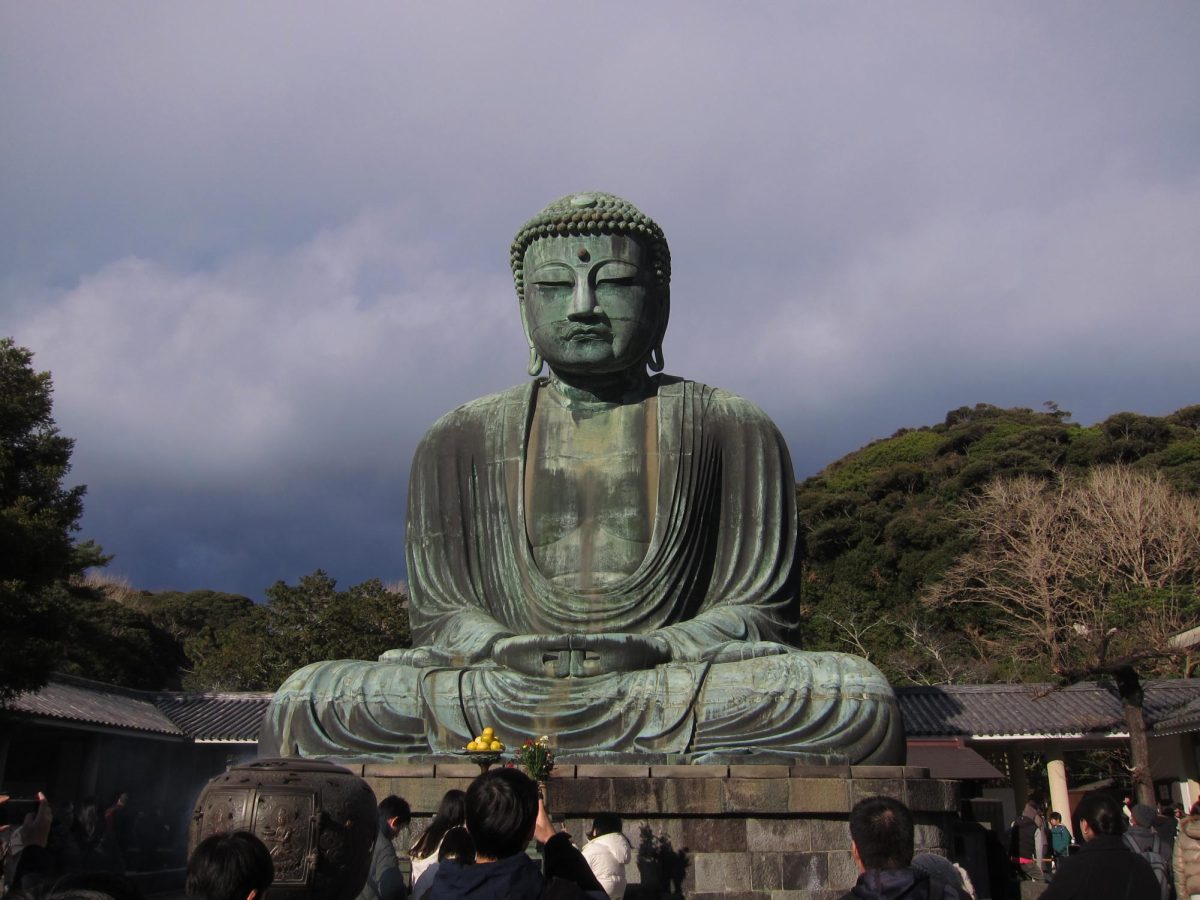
point(385, 881)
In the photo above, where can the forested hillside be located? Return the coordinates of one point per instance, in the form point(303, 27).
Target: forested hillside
point(882, 524)
point(207, 640)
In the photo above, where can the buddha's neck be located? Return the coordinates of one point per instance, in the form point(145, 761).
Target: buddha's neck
point(619, 387)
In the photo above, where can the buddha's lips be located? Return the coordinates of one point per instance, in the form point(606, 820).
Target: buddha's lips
point(573, 332)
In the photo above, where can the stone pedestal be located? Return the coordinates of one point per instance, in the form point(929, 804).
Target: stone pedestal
point(739, 831)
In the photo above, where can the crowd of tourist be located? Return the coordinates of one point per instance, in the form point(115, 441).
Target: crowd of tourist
point(41, 839)
point(1043, 849)
point(475, 847)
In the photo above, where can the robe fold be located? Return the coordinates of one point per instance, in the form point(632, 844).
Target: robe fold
point(717, 584)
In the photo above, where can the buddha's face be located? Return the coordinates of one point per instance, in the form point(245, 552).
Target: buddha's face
point(590, 305)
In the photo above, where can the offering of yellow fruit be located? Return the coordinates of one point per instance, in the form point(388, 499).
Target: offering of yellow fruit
point(486, 742)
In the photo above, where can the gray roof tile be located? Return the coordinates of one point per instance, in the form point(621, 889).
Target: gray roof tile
point(979, 710)
point(217, 717)
point(71, 699)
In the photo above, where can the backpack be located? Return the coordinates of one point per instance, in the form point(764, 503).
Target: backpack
point(1158, 862)
point(1022, 831)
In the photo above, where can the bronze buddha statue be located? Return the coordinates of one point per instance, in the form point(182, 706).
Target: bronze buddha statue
point(605, 554)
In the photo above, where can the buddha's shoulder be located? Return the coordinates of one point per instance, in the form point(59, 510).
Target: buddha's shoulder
point(718, 405)
point(480, 413)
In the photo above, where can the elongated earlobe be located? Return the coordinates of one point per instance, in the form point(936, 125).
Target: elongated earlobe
point(535, 362)
point(656, 359)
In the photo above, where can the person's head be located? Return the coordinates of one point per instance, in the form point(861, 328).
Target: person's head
point(122, 799)
point(1055, 818)
point(233, 866)
point(1099, 813)
point(394, 813)
point(458, 847)
point(605, 823)
point(451, 812)
point(1143, 815)
point(881, 831)
point(502, 806)
point(593, 277)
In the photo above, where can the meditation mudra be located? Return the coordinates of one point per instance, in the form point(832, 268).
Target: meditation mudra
point(602, 554)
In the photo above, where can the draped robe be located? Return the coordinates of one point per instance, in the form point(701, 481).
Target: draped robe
point(717, 584)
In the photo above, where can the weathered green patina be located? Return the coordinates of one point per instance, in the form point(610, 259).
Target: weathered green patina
point(605, 555)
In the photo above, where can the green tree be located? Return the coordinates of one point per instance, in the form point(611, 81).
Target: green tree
point(143, 639)
point(39, 517)
point(236, 655)
point(302, 623)
point(110, 642)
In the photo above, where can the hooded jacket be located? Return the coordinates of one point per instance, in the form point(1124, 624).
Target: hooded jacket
point(512, 878)
point(897, 884)
point(519, 877)
point(607, 856)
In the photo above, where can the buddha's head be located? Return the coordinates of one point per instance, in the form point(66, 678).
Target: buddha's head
point(593, 277)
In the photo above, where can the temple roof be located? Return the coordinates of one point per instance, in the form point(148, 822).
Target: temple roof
point(67, 699)
point(213, 717)
point(1041, 710)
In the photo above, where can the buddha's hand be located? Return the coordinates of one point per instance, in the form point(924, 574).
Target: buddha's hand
point(531, 654)
point(580, 655)
point(417, 657)
point(737, 651)
point(600, 654)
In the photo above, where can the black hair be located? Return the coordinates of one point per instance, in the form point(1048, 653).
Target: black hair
point(393, 807)
point(457, 846)
point(605, 823)
point(1055, 815)
point(1102, 812)
point(228, 867)
point(451, 812)
point(882, 830)
point(502, 806)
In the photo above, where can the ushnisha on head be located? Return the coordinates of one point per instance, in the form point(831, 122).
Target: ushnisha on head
point(593, 275)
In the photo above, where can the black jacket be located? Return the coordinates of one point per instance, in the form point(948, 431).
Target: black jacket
point(385, 881)
point(1103, 869)
point(894, 884)
point(519, 877)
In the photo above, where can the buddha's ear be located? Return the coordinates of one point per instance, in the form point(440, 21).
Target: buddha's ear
point(663, 306)
point(535, 358)
point(524, 318)
point(664, 312)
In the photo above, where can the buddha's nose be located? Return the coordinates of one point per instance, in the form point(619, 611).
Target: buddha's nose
point(583, 300)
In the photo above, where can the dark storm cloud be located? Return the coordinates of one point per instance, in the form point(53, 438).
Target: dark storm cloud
point(262, 248)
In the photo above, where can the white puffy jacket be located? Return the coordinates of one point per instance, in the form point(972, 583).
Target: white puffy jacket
point(607, 856)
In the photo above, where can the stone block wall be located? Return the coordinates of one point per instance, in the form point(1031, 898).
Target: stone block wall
point(764, 832)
